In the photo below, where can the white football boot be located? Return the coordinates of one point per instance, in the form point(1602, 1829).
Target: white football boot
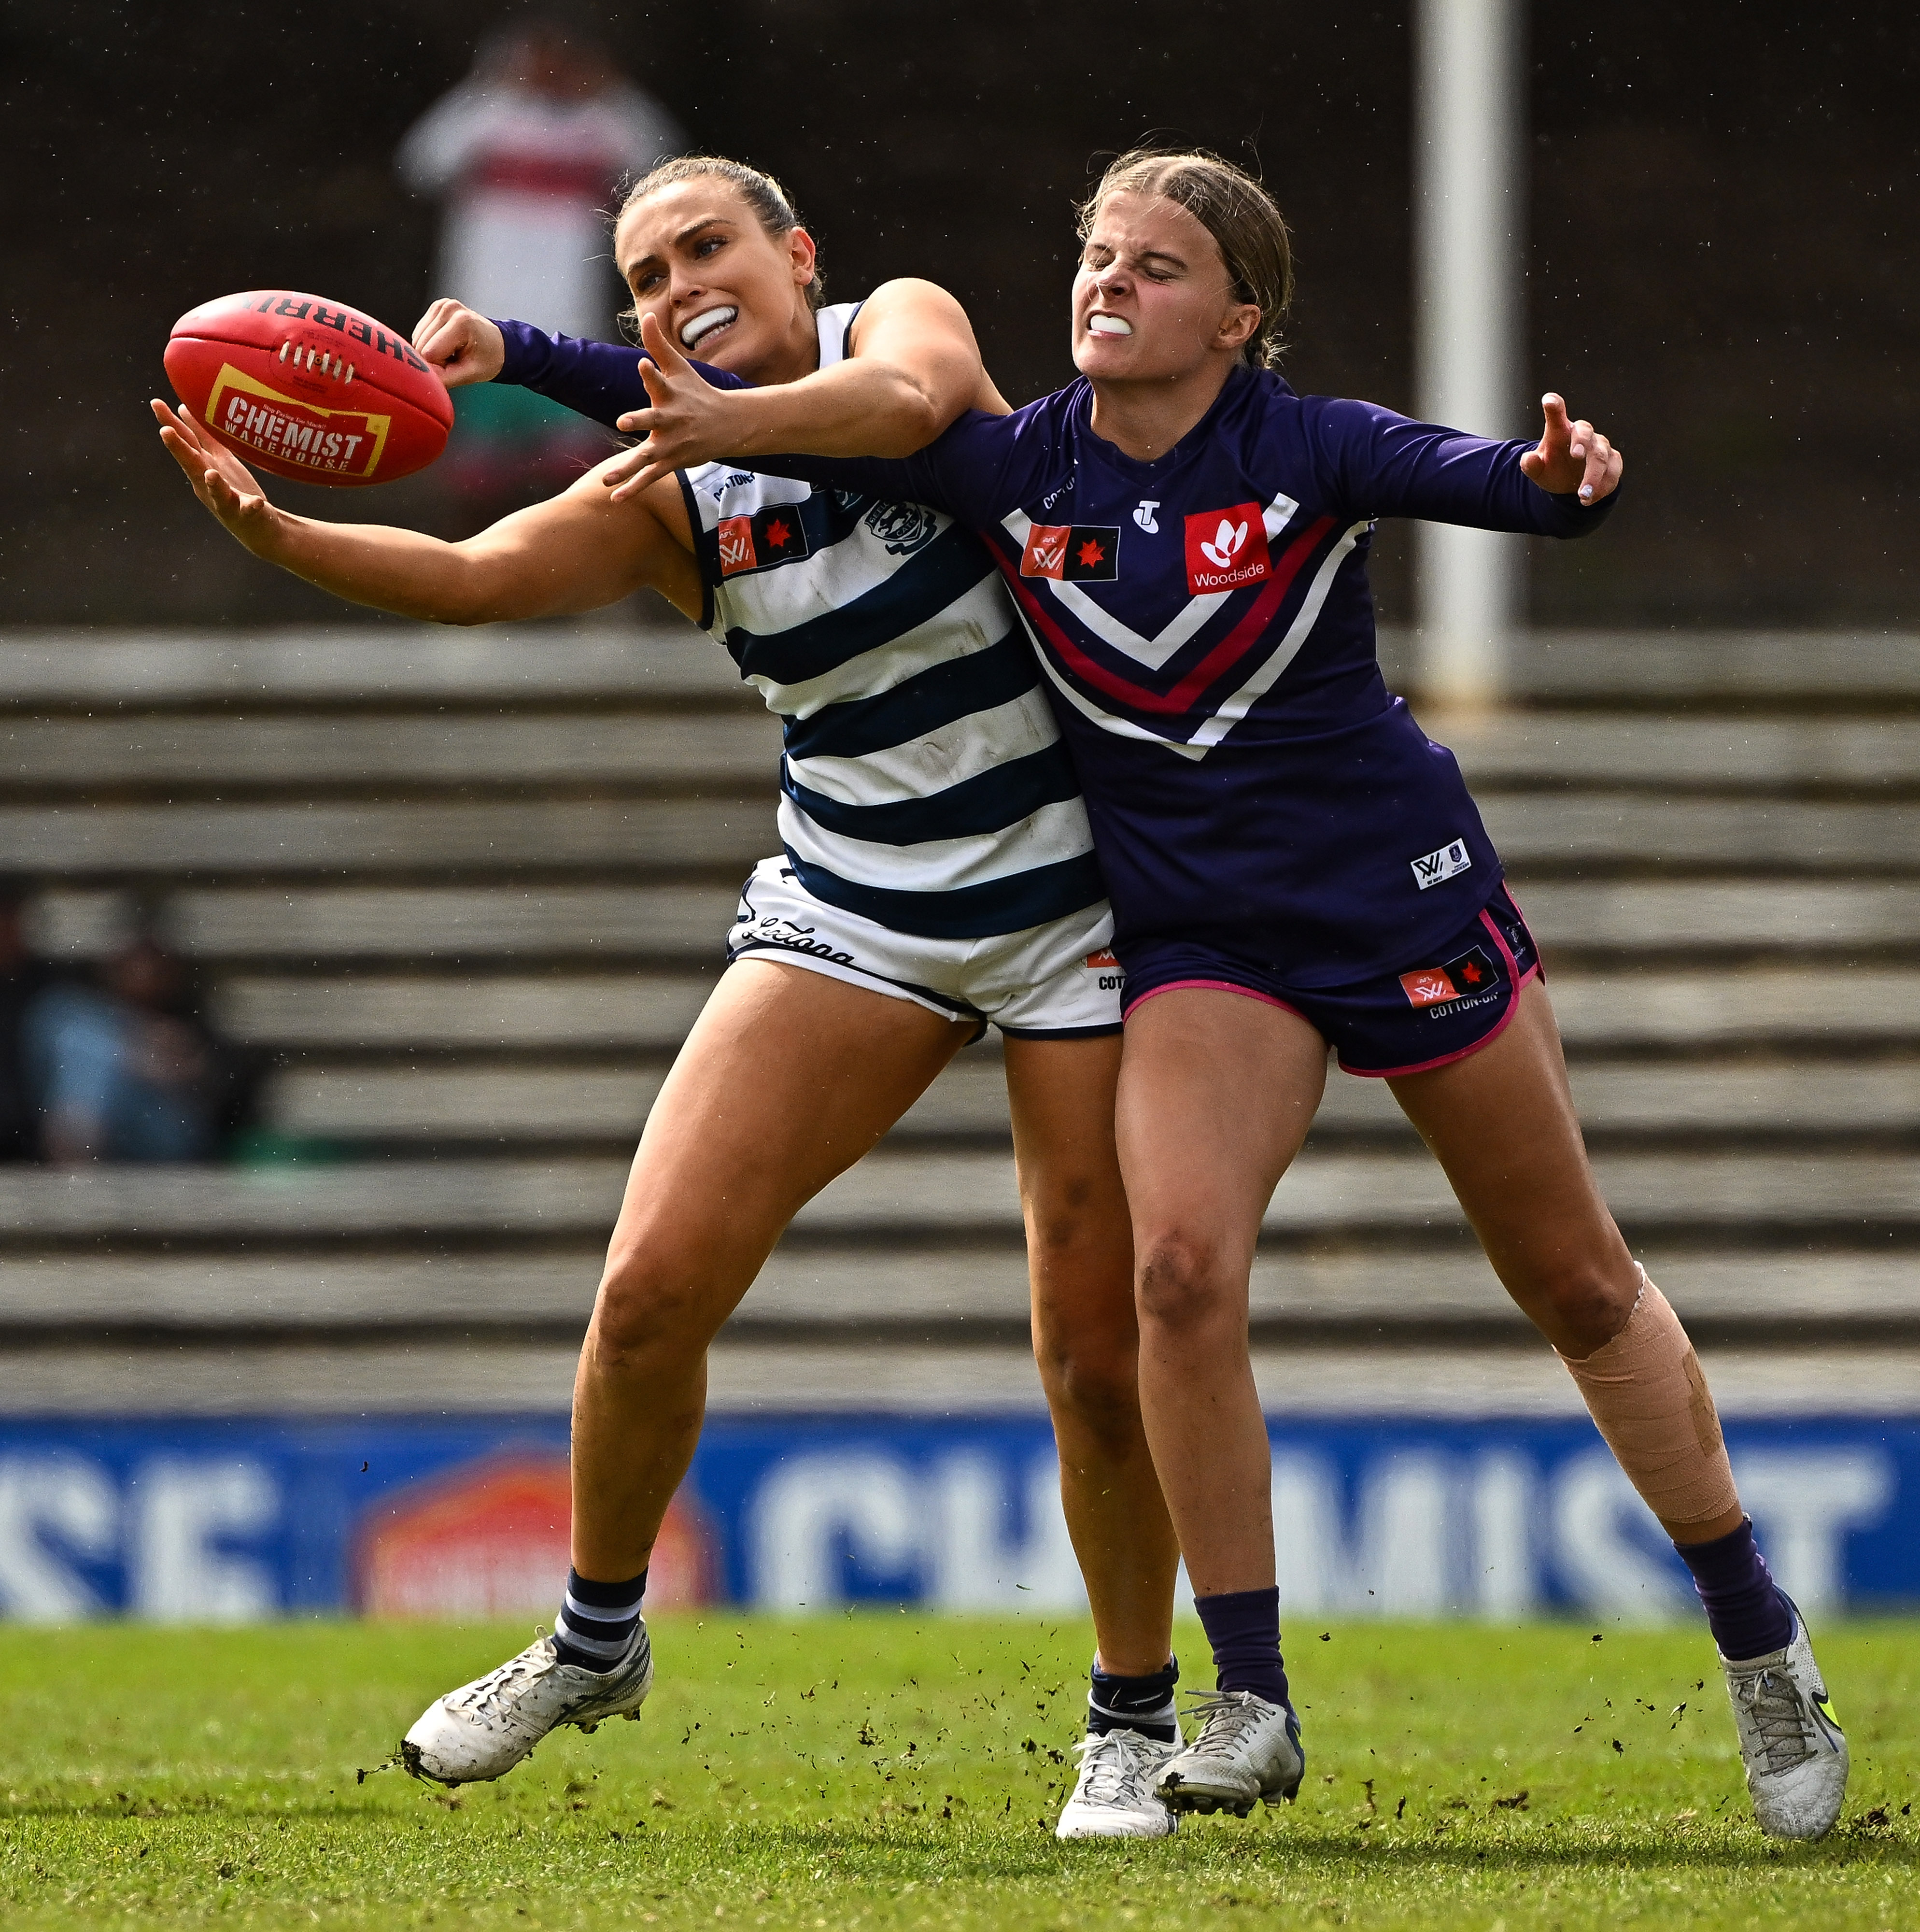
point(1246, 1749)
point(1795, 1756)
point(1114, 1796)
point(486, 1727)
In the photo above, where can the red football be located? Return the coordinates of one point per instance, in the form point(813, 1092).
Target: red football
point(308, 389)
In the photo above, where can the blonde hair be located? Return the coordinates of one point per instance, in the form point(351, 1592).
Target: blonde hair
point(760, 192)
point(1236, 211)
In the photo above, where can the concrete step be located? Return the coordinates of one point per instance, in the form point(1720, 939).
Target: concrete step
point(633, 836)
point(806, 1286)
point(306, 753)
point(403, 662)
point(642, 922)
point(651, 1010)
point(1690, 753)
point(1862, 668)
point(206, 753)
point(897, 1191)
point(1597, 833)
point(745, 1378)
point(1768, 1005)
point(534, 1103)
point(352, 663)
point(1704, 915)
point(423, 922)
point(1613, 832)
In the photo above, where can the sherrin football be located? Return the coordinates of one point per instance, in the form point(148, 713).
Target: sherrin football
point(308, 389)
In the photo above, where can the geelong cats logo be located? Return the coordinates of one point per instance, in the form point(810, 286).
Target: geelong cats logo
point(903, 528)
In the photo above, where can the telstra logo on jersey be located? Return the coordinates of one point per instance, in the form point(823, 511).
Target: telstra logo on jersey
point(1226, 549)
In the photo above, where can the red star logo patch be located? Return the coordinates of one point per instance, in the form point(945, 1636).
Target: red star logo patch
point(1091, 553)
point(777, 534)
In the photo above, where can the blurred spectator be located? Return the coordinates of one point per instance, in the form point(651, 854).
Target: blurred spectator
point(22, 980)
point(526, 152)
point(125, 1068)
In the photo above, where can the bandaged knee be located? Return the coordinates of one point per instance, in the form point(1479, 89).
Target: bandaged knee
point(1649, 1399)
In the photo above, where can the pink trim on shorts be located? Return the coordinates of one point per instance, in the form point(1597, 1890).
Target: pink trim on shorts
point(1210, 986)
point(1514, 974)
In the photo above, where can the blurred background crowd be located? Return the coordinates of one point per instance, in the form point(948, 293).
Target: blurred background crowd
point(1717, 198)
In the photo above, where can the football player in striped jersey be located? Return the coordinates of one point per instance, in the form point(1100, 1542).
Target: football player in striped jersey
point(936, 875)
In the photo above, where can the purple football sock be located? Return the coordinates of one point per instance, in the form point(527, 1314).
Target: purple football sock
point(1243, 1626)
point(1744, 1609)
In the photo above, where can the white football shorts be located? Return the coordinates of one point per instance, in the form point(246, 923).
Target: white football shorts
point(1059, 981)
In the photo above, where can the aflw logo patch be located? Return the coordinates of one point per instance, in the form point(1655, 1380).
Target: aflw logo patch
point(1227, 548)
point(758, 542)
point(1471, 973)
point(1074, 552)
point(1449, 862)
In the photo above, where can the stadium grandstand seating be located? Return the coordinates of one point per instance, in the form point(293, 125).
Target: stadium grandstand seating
point(468, 890)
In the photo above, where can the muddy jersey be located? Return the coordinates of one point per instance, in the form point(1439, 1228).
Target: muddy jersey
point(924, 783)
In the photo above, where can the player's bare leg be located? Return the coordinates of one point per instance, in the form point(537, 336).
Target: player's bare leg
point(1217, 1092)
point(1502, 1122)
point(787, 1078)
point(1080, 1262)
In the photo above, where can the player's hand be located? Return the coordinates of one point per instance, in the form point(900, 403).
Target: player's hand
point(459, 342)
point(220, 479)
point(689, 422)
point(1572, 457)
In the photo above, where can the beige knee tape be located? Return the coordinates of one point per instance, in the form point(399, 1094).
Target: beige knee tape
point(1649, 1399)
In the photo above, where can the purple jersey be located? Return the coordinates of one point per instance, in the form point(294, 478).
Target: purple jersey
point(1207, 629)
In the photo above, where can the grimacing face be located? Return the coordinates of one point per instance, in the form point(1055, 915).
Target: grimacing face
point(1152, 299)
point(695, 256)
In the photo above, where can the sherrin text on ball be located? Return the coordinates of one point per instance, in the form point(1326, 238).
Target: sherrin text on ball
point(308, 389)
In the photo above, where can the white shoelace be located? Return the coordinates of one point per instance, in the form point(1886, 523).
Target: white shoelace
point(1114, 1767)
point(1779, 1715)
point(515, 1674)
point(1224, 1716)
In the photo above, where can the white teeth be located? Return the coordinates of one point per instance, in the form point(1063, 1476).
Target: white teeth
point(705, 324)
point(1108, 324)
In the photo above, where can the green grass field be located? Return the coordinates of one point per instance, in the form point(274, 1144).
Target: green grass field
point(886, 1770)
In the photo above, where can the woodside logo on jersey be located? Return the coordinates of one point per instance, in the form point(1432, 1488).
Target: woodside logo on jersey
point(1226, 549)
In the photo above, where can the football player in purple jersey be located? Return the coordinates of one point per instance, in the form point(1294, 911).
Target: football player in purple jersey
point(1294, 866)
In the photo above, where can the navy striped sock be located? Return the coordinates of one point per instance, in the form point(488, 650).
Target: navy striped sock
point(1142, 1704)
point(595, 1629)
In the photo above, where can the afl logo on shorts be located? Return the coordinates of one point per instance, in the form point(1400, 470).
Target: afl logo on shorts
point(1111, 979)
point(1226, 549)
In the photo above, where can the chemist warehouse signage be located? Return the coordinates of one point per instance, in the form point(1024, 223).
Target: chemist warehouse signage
point(202, 1521)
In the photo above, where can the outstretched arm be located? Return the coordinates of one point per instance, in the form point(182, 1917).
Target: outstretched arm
point(913, 366)
point(599, 380)
point(1378, 463)
point(577, 552)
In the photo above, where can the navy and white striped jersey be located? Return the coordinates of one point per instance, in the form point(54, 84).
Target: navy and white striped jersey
point(925, 785)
